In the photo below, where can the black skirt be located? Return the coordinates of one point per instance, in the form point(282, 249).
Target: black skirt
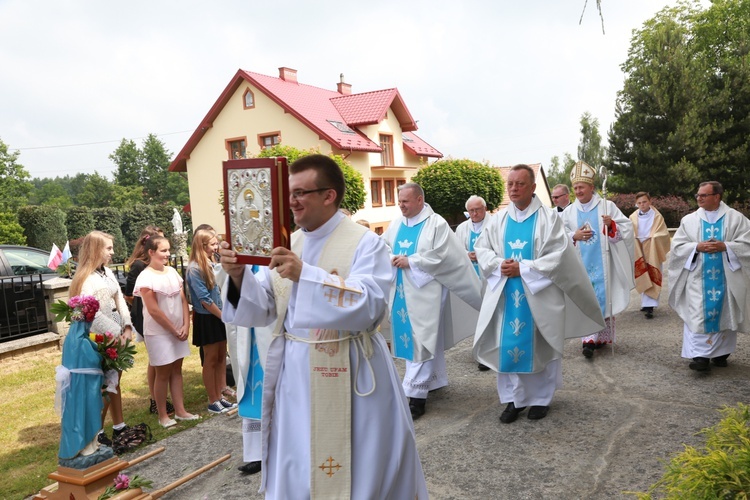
point(208, 329)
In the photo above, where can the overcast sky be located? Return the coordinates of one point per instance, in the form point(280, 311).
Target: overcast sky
point(499, 80)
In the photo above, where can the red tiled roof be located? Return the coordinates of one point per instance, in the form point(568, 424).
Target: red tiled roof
point(317, 108)
point(369, 108)
point(419, 147)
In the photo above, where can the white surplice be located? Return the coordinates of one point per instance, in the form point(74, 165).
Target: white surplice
point(385, 462)
point(686, 282)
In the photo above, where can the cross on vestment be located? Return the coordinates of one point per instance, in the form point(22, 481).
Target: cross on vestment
point(332, 468)
point(341, 289)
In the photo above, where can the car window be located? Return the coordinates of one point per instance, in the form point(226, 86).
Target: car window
point(24, 261)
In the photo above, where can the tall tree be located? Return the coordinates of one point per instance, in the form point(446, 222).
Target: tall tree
point(128, 159)
point(15, 185)
point(684, 111)
point(98, 192)
point(156, 159)
point(590, 148)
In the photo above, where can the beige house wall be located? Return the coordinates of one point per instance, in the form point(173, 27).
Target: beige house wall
point(234, 122)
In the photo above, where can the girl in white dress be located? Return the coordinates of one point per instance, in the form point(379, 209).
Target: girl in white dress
point(93, 277)
point(166, 324)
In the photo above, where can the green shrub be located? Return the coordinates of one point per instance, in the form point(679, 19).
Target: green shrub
point(354, 196)
point(134, 219)
point(43, 226)
point(719, 470)
point(11, 232)
point(109, 220)
point(79, 222)
point(448, 183)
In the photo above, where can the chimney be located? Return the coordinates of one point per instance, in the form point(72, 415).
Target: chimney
point(343, 88)
point(288, 74)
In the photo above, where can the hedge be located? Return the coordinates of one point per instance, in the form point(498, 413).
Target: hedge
point(43, 226)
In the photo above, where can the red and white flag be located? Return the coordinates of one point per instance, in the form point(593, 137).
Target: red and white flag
point(55, 257)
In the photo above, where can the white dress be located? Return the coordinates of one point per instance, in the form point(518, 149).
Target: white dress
point(162, 346)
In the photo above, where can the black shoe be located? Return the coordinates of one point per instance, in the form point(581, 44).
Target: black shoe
point(116, 433)
point(250, 468)
point(103, 439)
point(649, 312)
point(700, 365)
point(588, 351)
point(483, 368)
point(720, 361)
point(416, 405)
point(154, 410)
point(538, 412)
point(510, 414)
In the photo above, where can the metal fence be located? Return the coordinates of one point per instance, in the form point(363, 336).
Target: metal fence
point(22, 307)
point(23, 311)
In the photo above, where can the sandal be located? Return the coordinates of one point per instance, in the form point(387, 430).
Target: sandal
point(229, 392)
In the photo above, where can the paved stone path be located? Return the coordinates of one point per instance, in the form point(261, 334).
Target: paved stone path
point(616, 418)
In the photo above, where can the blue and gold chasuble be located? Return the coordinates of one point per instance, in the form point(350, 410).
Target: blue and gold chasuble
point(403, 339)
point(591, 254)
point(517, 332)
point(472, 241)
point(250, 404)
point(714, 285)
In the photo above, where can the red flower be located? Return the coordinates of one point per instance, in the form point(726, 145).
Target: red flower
point(112, 353)
point(99, 338)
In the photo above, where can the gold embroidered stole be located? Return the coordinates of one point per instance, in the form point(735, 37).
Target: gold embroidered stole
point(330, 377)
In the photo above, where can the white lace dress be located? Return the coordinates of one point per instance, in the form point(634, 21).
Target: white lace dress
point(113, 315)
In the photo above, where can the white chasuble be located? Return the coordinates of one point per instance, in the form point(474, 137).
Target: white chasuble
point(384, 459)
point(555, 286)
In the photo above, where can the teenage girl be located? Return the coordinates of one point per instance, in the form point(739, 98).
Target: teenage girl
point(208, 329)
point(166, 325)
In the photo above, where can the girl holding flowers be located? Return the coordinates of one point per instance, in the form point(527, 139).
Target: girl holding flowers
point(166, 324)
point(93, 277)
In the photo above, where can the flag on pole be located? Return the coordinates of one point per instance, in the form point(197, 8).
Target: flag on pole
point(55, 257)
point(66, 253)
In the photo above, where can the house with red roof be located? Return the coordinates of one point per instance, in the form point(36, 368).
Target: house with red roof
point(374, 131)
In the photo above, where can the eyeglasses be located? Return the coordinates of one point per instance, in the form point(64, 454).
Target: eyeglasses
point(701, 196)
point(558, 196)
point(476, 210)
point(299, 193)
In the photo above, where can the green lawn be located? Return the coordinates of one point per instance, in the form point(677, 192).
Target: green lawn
point(30, 428)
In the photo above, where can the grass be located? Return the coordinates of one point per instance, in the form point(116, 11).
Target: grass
point(30, 428)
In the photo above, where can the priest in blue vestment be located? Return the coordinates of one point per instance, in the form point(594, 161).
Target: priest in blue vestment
point(538, 294)
point(709, 272)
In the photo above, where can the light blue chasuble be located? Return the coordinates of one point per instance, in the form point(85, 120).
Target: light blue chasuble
point(250, 404)
point(591, 255)
point(713, 277)
point(403, 341)
point(472, 241)
point(517, 333)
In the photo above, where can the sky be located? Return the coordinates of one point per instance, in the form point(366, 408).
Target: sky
point(503, 81)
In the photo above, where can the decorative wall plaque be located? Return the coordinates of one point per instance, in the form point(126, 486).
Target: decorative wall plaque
point(256, 207)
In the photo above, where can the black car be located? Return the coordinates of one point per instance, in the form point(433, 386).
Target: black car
point(22, 308)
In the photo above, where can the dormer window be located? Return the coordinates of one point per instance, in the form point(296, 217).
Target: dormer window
point(248, 99)
point(341, 126)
